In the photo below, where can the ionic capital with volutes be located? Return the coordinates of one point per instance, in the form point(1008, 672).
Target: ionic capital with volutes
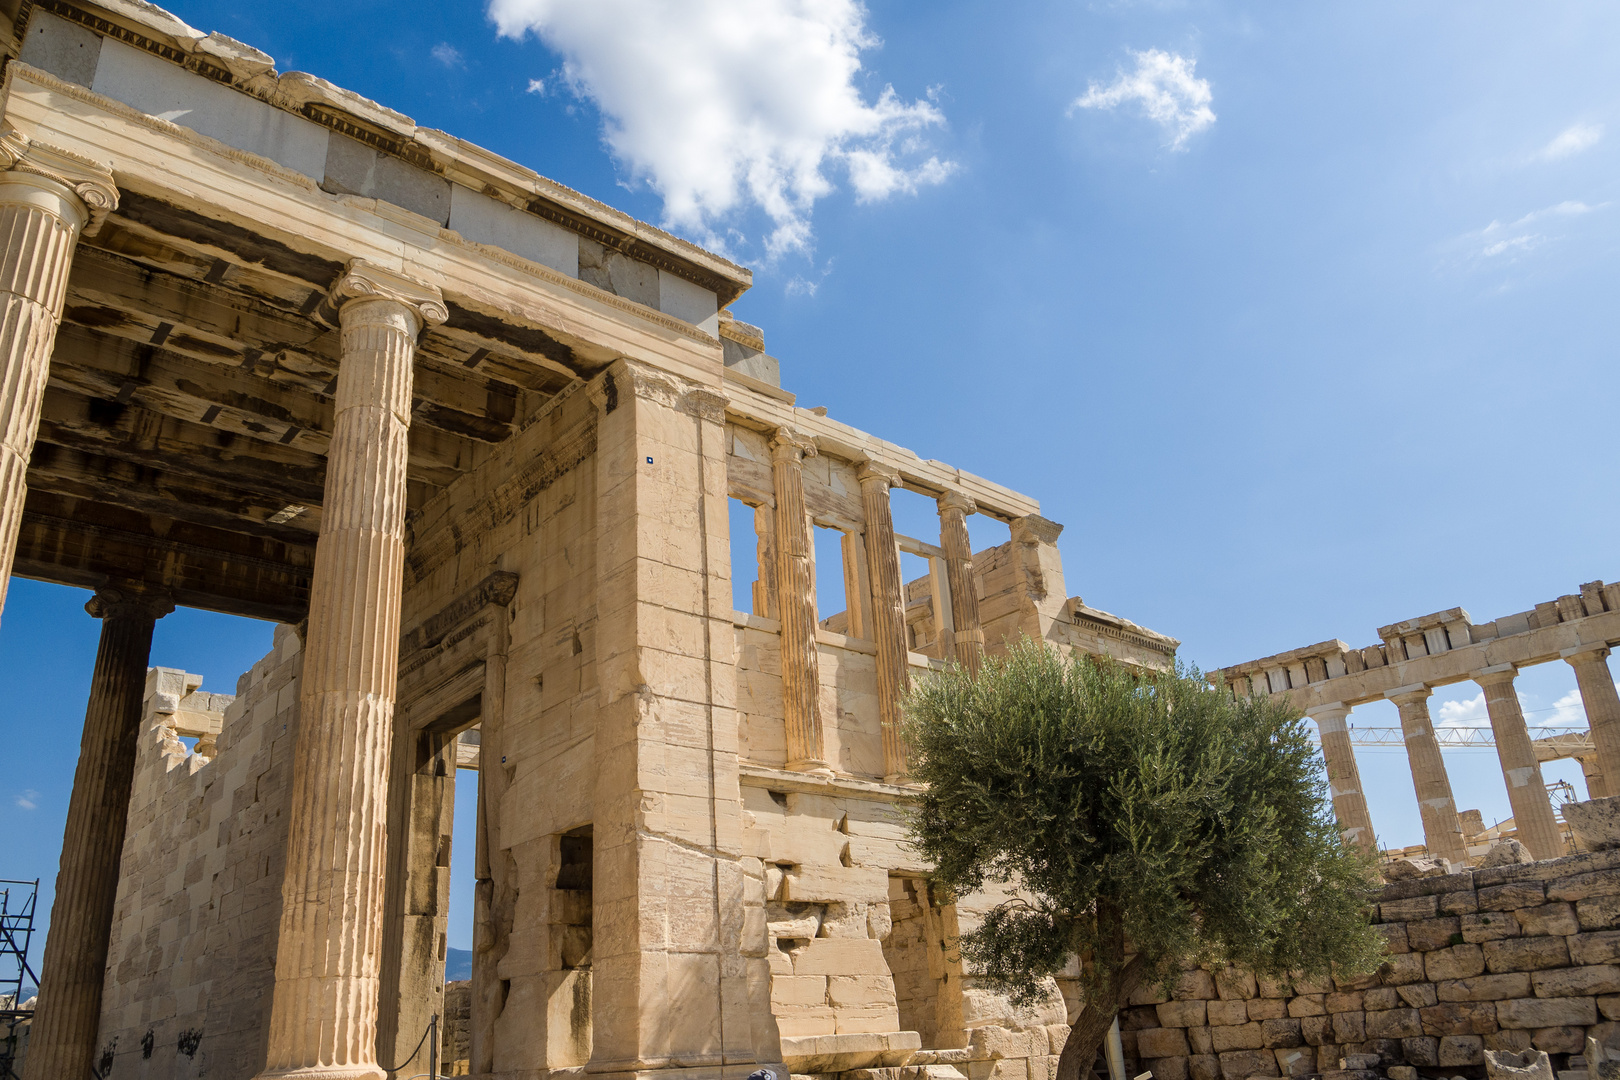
point(85, 187)
point(363, 281)
point(130, 600)
point(791, 445)
point(877, 473)
point(956, 500)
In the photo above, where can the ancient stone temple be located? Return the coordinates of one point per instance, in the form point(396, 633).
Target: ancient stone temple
point(475, 442)
point(1411, 658)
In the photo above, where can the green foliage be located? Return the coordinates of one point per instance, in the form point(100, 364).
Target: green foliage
point(1202, 820)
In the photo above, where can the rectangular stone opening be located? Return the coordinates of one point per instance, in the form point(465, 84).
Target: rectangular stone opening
point(569, 1006)
point(927, 987)
point(832, 596)
point(745, 557)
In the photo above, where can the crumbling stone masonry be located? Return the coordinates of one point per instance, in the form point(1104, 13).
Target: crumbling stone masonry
point(1502, 958)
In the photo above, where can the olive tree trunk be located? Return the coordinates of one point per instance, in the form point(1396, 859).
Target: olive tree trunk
point(1116, 979)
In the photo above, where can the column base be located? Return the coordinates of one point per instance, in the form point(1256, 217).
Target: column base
point(330, 1072)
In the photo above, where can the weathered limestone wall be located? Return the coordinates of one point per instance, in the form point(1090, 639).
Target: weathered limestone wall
point(199, 895)
point(1492, 959)
point(530, 510)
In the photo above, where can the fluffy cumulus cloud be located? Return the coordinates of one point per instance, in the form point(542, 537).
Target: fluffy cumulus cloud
point(1566, 712)
point(722, 110)
point(1571, 141)
point(1165, 87)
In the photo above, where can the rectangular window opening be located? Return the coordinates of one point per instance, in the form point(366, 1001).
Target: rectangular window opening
point(744, 557)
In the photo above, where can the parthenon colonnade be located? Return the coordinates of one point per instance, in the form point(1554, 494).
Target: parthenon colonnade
point(1328, 679)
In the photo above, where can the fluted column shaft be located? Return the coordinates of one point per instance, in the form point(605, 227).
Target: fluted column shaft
point(1602, 706)
point(63, 1043)
point(888, 612)
point(40, 222)
point(1527, 792)
point(796, 603)
point(1344, 779)
point(1442, 831)
point(324, 1017)
point(954, 508)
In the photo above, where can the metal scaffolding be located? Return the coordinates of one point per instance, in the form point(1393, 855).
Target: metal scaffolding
point(17, 901)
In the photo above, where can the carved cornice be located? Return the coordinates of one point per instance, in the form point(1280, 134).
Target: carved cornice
point(1034, 529)
point(90, 181)
point(367, 281)
point(705, 405)
point(498, 588)
point(791, 445)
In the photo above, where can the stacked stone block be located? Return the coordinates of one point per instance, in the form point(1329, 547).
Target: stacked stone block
point(1503, 958)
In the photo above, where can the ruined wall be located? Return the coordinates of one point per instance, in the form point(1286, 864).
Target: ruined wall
point(192, 955)
point(1492, 959)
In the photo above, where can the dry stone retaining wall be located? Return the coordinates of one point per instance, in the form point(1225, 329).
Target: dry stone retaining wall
point(1492, 959)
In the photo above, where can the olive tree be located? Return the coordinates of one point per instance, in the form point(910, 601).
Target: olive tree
point(1148, 822)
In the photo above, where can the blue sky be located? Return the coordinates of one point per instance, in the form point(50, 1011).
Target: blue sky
point(1341, 355)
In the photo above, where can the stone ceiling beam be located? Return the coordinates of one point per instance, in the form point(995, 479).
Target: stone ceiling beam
point(150, 490)
point(73, 542)
point(96, 365)
point(141, 437)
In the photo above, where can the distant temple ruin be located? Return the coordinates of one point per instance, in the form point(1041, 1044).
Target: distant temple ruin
point(1413, 657)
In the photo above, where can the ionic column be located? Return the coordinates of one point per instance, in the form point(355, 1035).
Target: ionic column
point(63, 1042)
point(796, 602)
point(1532, 812)
point(1344, 779)
point(1442, 832)
point(1601, 702)
point(888, 611)
point(954, 507)
point(47, 198)
point(323, 1021)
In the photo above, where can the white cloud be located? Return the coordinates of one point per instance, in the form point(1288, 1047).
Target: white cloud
point(721, 108)
point(1164, 85)
point(1470, 713)
point(1569, 142)
point(446, 54)
point(537, 86)
point(1503, 242)
point(28, 800)
point(1566, 712)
